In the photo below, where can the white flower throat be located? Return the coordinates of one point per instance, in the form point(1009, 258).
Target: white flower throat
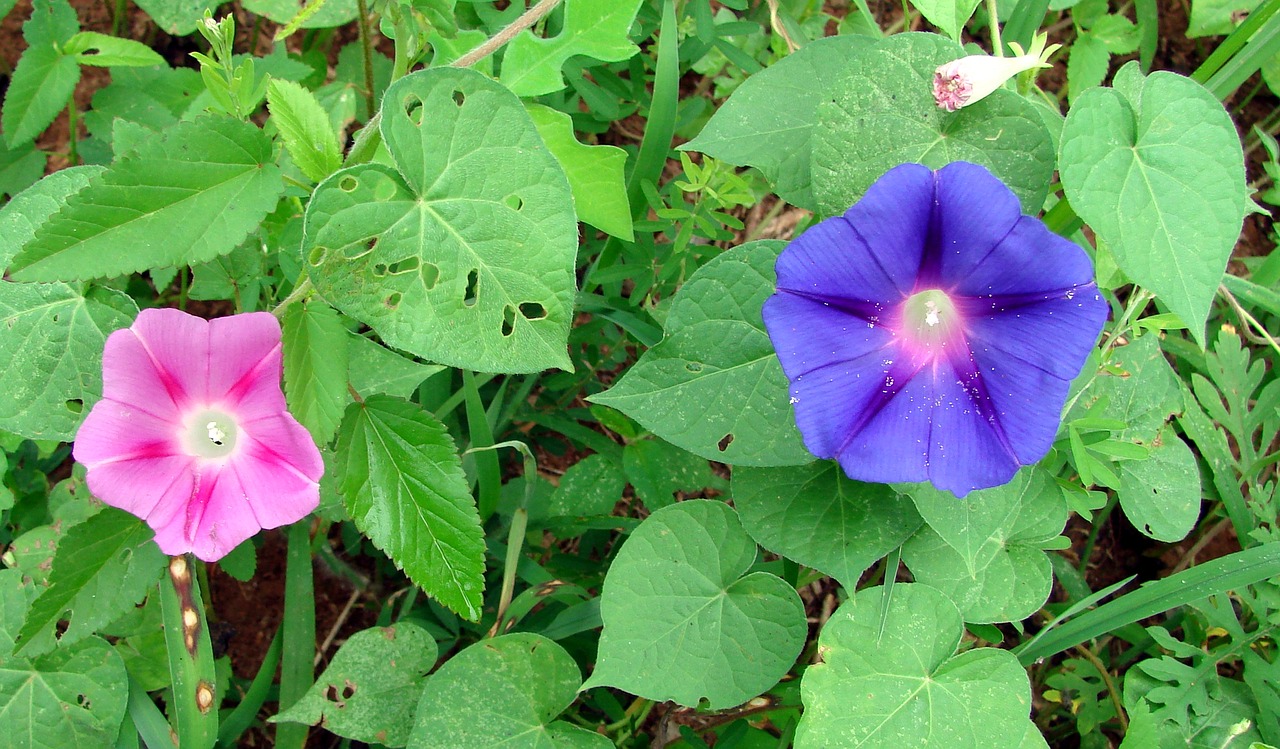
point(209, 433)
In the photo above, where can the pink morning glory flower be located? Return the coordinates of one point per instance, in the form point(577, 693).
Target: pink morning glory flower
point(930, 333)
point(192, 434)
point(962, 82)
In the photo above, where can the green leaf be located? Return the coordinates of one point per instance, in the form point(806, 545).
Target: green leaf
point(466, 256)
point(1144, 398)
point(1155, 167)
point(769, 121)
point(592, 486)
point(40, 88)
point(595, 173)
point(658, 469)
point(332, 13)
point(882, 114)
point(1088, 64)
point(241, 562)
point(595, 28)
point(682, 623)
point(51, 24)
point(377, 369)
point(1119, 34)
point(401, 479)
point(21, 216)
point(1217, 17)
point(305, 127)
point(1161, 495)
point(20, 168)
point(315, 367)
point(371, 687)
point(72, 697)
point(177, 17)
point(821, 519)
point(948, 15)
point(51, 340)
point(102, 569)
point(503, 692)
point(713, 385)
point(186, 197)
point(890, 679)
point(985, 552)
point(92, 48)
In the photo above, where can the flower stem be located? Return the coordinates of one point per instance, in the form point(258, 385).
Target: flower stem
point(996, 44)
point(362, 26)
point(303, 288)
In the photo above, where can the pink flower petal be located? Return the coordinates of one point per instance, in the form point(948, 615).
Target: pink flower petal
point(176, 345)
point(245, 364)
point(155, 489)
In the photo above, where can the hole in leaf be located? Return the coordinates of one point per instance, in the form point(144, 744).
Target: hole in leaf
point(348, 689)
point(413, 109)
point(348, 183)
point(331, 693)
point(472, 293)
point(56, 317)
point(83, 701)
point(508, 320)
point(532, 311)
point(316, 256)
point(725, 441)
point(430, 275)
point(693, 367)
point(379, 269)
point(75, 406)
point(360, 249)
point(404, 266)
point(459, 98)
point(393, 300)
point(514, 202)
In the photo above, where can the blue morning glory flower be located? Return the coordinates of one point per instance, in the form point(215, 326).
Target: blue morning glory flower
point(931, 332)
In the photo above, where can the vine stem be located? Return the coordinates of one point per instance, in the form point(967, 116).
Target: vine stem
point(366, 46)
point(997, 45)
point(301, 290)
point(367, 138)
point(1261, 336)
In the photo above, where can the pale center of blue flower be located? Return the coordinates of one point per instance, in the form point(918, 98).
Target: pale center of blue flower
point(930, 321)
point(210, 433)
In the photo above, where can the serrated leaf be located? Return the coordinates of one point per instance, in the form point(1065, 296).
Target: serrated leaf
point(103, 568)
point(1087, 66)
point(51, 24)
point(51, 341)
point(40, 88)
point(466, 255)
point(304, 125)
point(377, 369)
point(1161, 495)
point(184, 198)
point(595, 28)
point(768, 121)
point(401, 479)
point(21, 216)
point(713, 385)
point(1155, 166)
point(683, 623)
point(821, 519)
point(948, 15)
point(20, 168)
point(595, 173)
point(315, 367)
point(92, 48)
point(503, 692)
point(891, 679)
point(1118, 33)
point(985, 552)
point(177, 17)
point(73, 697)
point(883, 114)
point(370, 689)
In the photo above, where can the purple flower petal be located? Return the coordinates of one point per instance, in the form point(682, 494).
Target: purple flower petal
point(932, 331)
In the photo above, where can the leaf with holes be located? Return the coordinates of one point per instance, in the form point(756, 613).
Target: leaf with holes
point(713, 385)
point(1154, 165)
point(101, 570)
point(465, 256)
point(51, 341)
point(73, 697)
point(986, 551)
point(370, 689)
point(882, 114)
point(401, 479)
point(595, 28)
point(682, 620)
point(315, 367)
point(891, 679)
point(503, 692)
point(821, 519)
point(185, 197)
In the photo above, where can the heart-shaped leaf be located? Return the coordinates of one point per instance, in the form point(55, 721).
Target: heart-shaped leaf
point(465, 256)
point(682, 623)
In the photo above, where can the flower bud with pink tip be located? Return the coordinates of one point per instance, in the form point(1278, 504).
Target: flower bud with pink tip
point(962, 82)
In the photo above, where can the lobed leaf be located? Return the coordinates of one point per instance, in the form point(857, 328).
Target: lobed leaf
point(595, 173)
point(595, 28)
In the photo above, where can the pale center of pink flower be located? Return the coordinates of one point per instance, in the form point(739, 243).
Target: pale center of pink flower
point(210, 433)
point(930, 323)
